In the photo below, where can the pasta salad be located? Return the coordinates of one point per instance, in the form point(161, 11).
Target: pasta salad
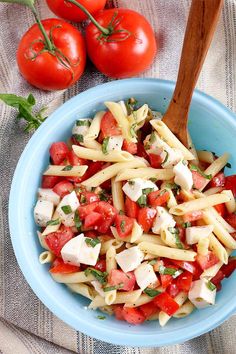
point(133, 220)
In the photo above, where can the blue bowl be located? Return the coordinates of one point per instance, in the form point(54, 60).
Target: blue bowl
point(212, 126)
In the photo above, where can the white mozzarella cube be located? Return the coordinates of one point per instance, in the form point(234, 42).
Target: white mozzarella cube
point(43, 211)
point(71, 201)
point(163, 219)
point(145, 276)
point(130, 259)
point(183, 176)
point(81, 127)
point(115, 143)
point(200, 295)
point(134, 188)
point(77, 251)
point(48, 195)
point(195, 233)
point(98, 287)
point(172, 157)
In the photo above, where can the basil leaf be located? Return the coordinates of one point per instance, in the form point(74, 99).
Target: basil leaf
point(170, 271)
point(83, 122)
point(132, 130)
point(121, 212)
point(114, 287)
point(92, 242)
point(131, 183)
point(122, 226)
point(142, 201)
point(151, 292)
point(152, 262)
point(211, 286)
point(187, 224)
point(103, 195)
point(173, 186)
point(77, 221)
point(100, 276)
point(175, 232)
point(105, 145)
point(82, 199)
point(130, 105)
point(79, 138)
point(101, 317)
point(67, 168)
point(146, 191)
point(197, 169)
point(53, 222)
point(166, 157)
point(66, 209)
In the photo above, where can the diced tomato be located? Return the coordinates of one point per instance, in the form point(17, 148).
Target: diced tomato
point(58, 152)
point(118, 310)
point(108, 213)
point(207, 261)
point(93, 220)
point(85, 210)
point(50, 181)
point(91, 234)
point(124, 225)
point(101, 265)
point(231, 219)
point(93, 168)
point(155, 160)
point(166, 280)
point(165, 302)
point(56, 240)
point(191, 267)
point(173, 289)
point(218, 180)
point(125, 281)
point(193, 216)
point(230, 183)
point(133, 315)
point(184, 281)
point(141, 152)
point(218, 279)
point(59, 266)
point(109, 126)
point(89, 197)
point(146, 217)
point(198, 180)
point(221, 209)
point(148, 309)
point(74, 160)
point(228, 269)
point(158, 198)
point(63, 188)
point(131, 208)
point(129, 146)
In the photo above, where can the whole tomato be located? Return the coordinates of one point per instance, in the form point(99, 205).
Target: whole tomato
point(69, 11)
point(53, 68)
point(124, 46)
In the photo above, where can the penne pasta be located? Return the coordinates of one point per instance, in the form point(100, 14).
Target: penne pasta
point(110, 259)
point(163, 317)
point(117, 195)
point(116, 244)
point(121, 298)
point(65, 171)
point(218, 249)
point(95, 126)
point(111, 156)
point(78, 277)
point(184, 310)
point(46, 257)
point(231, 204)
point(42, 241)
point(213, 190)
point(167, 252)
point(205, 156)
point(52, 228)
point(146, 172)
point(202, 246)
point(82, 289)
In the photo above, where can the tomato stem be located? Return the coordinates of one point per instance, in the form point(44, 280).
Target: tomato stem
point(42, 29)
point(104, 30)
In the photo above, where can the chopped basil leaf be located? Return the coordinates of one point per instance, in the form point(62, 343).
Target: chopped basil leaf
point(166, 157)
point(197, 169)
point(132, 130)
point(122, 226)
point(152, 262)
point(173, 186)
point(121, 212)
point(83, 122)
point(142, 201)
point(79, 138)
point(103, 195)
point(130, 105)
point(82, 199)
point(187, 224)
point(77, 221)
point(228, 165)
point(153, 179)
point(100, 276)
point(163, 191)
point(101, 317)
point(146, 191)
point(152, 137)
point(66, 209)
point(131, 183)
point(53, 222)
point(211, 286)
point(115, 287)
point(170, 271)
point(151, 292)
point(175, 232)
point(92, 242)
point(67, 168)
point(105, 145)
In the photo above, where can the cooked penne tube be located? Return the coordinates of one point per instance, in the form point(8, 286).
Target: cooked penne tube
point(52, 228)
point(46, 257)
point(180, 299)
point(110, 259)
point(193, 150)
point(199, 204)
point(111, 171)
point(218, 249)
point(121, 298)
point(142, 300)
point(110, 297)
point(65, 171)
point(167, 135)
point(202, 246)
point(168, 238)
point(78, 277)
point(136, 233)
point(167, 252)
point(213, 190)
point(209, 273)
point(117, 195)
point(184, 310)
point(231, 204)
point(155, 239)
point(111, 156)
point(82, 289)
point(42, 241)
point(110, 243)
point(92, 144)
point(223, 222)
point(146, 172)
point(95, 126)
point(205, 156)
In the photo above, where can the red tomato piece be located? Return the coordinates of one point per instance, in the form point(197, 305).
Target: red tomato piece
point(184, 281)
point(228, 269)
point(173, 289)
point(218, 279)
point(148, 309)
point(108, 213)
point(90, 197)
point(155, 160)
point(158, 198)
point(56, 240)
point(124, 225)
point(50, 181)
point(146, 217)
point(166, 280)
point(221, 209)
point(63, 188)
point(133, 315)
point(109, 126)
point(165, 302)
point(58, 152)
point(93, 168)
point(131, 208)
point(74, 160)
point(85, 210)
point(118, 310)
point(231, 219)
point(193, 216)
point(59, 266)
point(93, 220)
point(191, 267)
point(141, 152)
point(230, 183)
point(91, 234)
point(125, 281)
point(207, 261)
point(198, 180)
point(101, 265)
point(218, 180)
point(131, 147)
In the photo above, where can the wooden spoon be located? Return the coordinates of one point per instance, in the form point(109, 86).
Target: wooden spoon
point(202, 20)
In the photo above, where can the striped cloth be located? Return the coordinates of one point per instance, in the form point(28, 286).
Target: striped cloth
point(26, 326)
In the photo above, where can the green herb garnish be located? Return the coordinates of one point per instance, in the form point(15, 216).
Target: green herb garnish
point(66, 209)
point(211, 286)
point(153, 179)
point(132, 130)
point(83, 122)
point(79, 138)
point(152, 138)
point(101, 317)
point(170, 271)
point(152, 262)
point(175, 232)
point(53, 222)
point(114, 287)
point(187, 224)
point(105, 145)
point(92, 242)
point(151, 292)
point(131, 183)
point(77, 221)
point(100, 276)
point(121, 212)
point(67, 168)
point(146, 191)
point(103, 195)
point(130, 105)
point(197, 169)
point(122, 226)
point(166, 157)
point(142, 201)
point(82, 199)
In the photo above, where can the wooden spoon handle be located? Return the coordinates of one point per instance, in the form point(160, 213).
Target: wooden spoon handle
point(201, 25)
